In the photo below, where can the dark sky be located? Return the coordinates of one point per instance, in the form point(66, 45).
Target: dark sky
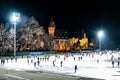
point(73, 16)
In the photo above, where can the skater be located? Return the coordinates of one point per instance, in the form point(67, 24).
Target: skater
point(53, 63)
point(61, 63)
point(79, 58)
point(31, 61)
point(11, 59)
point(97, 60)
point(28, 61)
point(64, 58)
point(34, 64)
point(75, 68)
point(112, 63)
point(74, 58)
point(118, 63)
point(38, 62)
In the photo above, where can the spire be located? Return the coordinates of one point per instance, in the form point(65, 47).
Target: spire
point(82, 30)
point(82, 33)
point(51, 20)
point(51, 23)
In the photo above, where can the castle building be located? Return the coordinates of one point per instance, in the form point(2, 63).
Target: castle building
point(63, 42)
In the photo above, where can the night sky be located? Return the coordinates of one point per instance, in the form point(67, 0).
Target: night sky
point(72, 16)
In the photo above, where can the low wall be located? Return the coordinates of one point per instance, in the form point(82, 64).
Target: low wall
point(29, 53)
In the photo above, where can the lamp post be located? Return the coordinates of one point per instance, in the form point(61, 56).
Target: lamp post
point(100, 34)
point(15, 19)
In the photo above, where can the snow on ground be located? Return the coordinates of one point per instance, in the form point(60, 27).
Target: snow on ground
point(87, 67)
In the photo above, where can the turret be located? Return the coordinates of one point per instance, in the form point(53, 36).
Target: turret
point(51, 29)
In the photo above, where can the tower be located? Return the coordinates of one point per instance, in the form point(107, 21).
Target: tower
point(85, 35)
point(84, 42)
point(51, 29)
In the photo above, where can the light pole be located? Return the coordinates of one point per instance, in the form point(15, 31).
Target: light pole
point(15, 19)
point(100, 35)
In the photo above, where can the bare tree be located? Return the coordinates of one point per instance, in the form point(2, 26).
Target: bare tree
point(29, 34)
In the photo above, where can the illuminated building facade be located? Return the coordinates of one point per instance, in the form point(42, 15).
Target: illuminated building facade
point(64, 43)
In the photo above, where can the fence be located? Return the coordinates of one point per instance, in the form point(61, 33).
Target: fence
point(28, 53)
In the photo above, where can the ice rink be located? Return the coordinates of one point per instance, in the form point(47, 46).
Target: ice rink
point(94, 66)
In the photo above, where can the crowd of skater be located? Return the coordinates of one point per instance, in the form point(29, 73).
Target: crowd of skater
point(35, 60)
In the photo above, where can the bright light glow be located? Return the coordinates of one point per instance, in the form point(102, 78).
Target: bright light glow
point(15, 17)
point(100, 34)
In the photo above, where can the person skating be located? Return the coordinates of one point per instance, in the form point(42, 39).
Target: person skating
point(112, 63)
point(75, 68)
point(54, 63)
point(118, 63)
point(34, 64)
point(61, 63)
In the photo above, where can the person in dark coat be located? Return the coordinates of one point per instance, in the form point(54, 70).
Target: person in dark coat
point(38, 62)
point(61, 63)
point(112, 63)
point(74, 58)
point(34, 64)
point(76, 68)
point(118, 63)
point(54, 63)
